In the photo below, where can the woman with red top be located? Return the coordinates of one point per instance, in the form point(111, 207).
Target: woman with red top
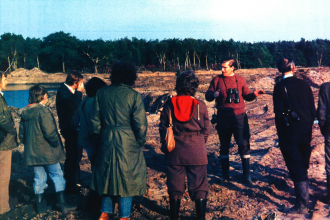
point(191, 128)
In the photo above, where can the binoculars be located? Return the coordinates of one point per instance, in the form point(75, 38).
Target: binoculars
point(230, 94)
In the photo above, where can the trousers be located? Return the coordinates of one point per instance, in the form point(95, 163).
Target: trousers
point(5, 170)
point(124, 205)
point(197, 181)
point(40, 178)
point(296, 150)
point(71, 164)
point(237, 125)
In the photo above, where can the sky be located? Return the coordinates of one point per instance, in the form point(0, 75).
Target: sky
point(240, 20)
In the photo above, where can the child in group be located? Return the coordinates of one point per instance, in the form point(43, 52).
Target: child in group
point(43, 148)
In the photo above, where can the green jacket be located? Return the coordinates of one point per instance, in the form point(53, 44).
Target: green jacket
point(119, 117)
point(38, 132)
point(7, 127)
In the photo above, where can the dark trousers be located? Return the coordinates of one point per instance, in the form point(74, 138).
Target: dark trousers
point(327, 153)
point(71, 164)
point(197, 181)
point(237, 125)
point(296, 150)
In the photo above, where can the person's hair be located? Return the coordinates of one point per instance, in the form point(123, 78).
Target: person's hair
point(93, 85)
point(123, 72)
point(36, 94)
point(186, 83)
point(73, 77)
point(2, 74)
point(285, 65)
point(232, 62)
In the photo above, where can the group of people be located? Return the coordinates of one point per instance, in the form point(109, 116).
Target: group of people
point(111, 125)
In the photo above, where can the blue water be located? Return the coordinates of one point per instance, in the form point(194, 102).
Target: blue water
point(19, 98)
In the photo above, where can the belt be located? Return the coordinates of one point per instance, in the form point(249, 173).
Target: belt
point(186, 133)
point(118, 128)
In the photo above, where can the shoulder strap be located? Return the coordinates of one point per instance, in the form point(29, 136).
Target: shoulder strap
point(218, 86)
point(170, 124)
point(286, 103)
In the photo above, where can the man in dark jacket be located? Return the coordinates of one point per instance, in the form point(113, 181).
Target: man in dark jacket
point(229, 91)
point(8, 141)
point(323, 115)
point(68, 98)
point(294, 116)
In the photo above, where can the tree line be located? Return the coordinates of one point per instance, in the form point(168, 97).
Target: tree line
point(60, 52)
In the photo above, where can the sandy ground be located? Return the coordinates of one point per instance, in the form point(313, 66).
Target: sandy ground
point(271, 190)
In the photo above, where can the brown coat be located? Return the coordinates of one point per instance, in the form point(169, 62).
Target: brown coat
point(190, 136)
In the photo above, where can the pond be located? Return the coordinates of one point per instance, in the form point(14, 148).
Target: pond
point(17, 95)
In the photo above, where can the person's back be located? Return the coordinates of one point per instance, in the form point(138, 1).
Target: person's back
point(42, 144)
point(119, 119)
point(300, 98)
point(84, 111)
point(119, 104)
point(43, 148)
point(294, 116)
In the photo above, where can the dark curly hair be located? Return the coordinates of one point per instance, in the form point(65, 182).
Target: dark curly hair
point(37, 93)
point(123, 72)
point(186, 83)
point(93, 85)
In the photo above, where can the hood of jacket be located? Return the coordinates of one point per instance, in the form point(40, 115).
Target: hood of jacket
point(29, 112)
point(184, 107)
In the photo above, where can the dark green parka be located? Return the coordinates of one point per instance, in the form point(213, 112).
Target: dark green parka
point(38, 132)
point(7, 127)
point(119, 117)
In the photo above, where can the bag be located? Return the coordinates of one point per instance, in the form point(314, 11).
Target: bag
point(169, 138)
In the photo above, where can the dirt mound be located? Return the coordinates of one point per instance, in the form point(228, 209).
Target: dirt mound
point(21, 72)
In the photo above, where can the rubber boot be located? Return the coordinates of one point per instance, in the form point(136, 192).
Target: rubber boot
point(225, 168)
point(200, 208)
point(65, 207)
point(246, 171)
point(174, 209)
point(302, 198)
point(41, 204)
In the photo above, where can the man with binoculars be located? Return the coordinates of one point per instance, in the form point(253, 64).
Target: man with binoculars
point(229, 91)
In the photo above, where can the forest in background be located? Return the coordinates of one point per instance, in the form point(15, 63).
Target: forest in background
point(61, 52)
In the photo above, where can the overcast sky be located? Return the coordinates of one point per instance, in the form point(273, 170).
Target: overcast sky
point(241, 20)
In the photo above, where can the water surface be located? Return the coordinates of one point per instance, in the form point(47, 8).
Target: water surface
point(17, 95)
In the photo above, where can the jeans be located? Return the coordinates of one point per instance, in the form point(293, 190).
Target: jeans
point(40, 178)
point(125, 205)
